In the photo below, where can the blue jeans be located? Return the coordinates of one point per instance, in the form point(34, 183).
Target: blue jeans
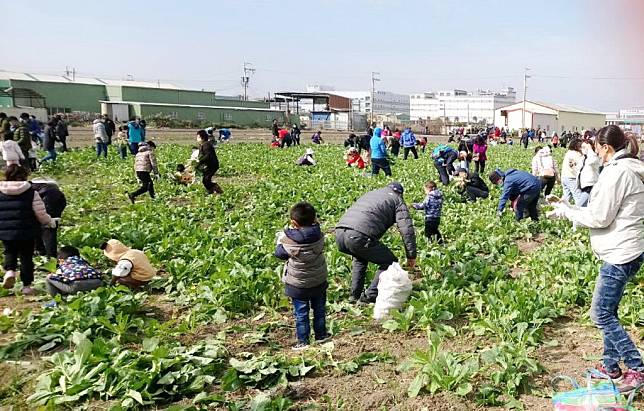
point(570, 189)
point(583, 199)
point(528, 201)
point(101, 148)
point(302, 323)
point(134, 148)
point(51, 155)
point(609, 289)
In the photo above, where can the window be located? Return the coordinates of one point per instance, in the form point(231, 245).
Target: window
point(201, 115)
point(268, 117)
point(228, 116)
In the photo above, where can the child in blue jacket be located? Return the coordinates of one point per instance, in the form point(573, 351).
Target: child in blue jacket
point(433, 206)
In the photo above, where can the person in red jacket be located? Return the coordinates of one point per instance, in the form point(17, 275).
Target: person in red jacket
point(353, 159)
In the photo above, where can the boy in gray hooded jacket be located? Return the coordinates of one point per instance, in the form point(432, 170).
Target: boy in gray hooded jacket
point(305, 272)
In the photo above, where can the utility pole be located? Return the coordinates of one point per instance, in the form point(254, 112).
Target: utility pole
point(525, 89)
point(373, 92)
point(246, 78)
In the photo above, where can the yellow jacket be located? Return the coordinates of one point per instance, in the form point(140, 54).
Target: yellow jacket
point(141, 270)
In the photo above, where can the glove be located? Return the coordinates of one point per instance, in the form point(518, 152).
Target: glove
point(54, 222)
point(279, 237)
point(558, 212)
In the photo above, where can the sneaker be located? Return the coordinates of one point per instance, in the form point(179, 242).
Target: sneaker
point(603, 373)
point(28, 291)
point(9, 280)
point(323, 339)
point(353, 300)
point(51, 304)
point(300, 346)
point(632, 379)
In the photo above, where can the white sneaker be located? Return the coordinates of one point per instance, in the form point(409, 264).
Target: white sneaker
point(9, 280)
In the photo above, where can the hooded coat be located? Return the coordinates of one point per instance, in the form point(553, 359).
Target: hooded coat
point(11, 152)
point(306, 264)
point(142, 270)
point(22, 211)
point(145, 159)
point(377, 144)
point(615, 211)
point(408, 139)
point(100, 134)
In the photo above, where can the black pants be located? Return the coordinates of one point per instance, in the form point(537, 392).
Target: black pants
point(446, 169)
point(548, 183)
point(406, 151)
point(380, 163)
point(210, 186)
point(474, 193)
point(63, 141)
point(395, 150)
point(479, 166)
point(47, 243)
point(23, 250)
point(431, 230)
point(364, 250)
point(146, 184)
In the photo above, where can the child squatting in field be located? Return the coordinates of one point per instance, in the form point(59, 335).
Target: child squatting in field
point(133, 269)
point(305, 272)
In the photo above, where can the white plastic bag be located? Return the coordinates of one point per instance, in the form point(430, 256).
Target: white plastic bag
point(394, 288)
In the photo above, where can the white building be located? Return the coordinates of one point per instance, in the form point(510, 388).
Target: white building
point(385, 102)
point(460, 105)
point(551, 117)
point(630, 119)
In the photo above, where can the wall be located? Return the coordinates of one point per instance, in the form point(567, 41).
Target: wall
point(580, 121)
point(72, 96)
point(215, 115)
point(544, 121)
point(5, 101)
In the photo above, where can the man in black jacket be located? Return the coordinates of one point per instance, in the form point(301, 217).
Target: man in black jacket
point(55, 203)
point(208, 162)
point(359, 231)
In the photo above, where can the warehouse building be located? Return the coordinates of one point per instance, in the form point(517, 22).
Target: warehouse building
point(122, 99)
point(460, 106)
point(551, 117)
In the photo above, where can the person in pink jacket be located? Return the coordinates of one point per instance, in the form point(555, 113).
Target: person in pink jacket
point(480, 155)
point(22, 213)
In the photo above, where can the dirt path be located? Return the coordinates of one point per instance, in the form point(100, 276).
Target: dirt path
point(83, 136)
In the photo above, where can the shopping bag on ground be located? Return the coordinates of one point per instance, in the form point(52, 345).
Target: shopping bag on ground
point(600, 395)
point(394, 288)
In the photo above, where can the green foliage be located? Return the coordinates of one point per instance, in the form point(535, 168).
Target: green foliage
point(104, 369)
point(216, 267)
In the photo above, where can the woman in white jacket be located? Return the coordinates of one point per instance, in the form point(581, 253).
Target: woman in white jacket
point(615, 217)
point(100, 134)
point(11, 152)
point(588, 173)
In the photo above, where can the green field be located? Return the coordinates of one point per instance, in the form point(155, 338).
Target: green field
point(495, 312)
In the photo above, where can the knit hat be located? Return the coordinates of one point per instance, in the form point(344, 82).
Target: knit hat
point(496, 175)
point(396, 186)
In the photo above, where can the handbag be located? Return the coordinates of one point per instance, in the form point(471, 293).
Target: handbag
point(599, 396)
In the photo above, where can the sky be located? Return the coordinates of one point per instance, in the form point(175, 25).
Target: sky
point(587, 53)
